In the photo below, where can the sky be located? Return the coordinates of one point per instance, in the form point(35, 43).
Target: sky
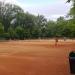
point(51, 9)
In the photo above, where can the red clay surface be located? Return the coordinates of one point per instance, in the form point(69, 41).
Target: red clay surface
point(35, 57)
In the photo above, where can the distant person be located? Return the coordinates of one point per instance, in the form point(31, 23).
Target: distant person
point(56, 41)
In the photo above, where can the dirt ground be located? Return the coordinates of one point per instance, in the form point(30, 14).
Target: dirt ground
point(35, 57)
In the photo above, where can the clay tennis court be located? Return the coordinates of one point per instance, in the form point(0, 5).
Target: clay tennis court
point(35, 57)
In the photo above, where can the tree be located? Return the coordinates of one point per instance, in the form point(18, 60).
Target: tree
point(71, 27)
point(8, 12)
point(1, 31)
point(61, 26)
point(11, 33)
point(50, 28)
point(72, 9)
point(41, 23)
point(19, 33)
point(71, 22)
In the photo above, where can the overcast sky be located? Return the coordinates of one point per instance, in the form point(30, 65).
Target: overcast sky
point(51, 9)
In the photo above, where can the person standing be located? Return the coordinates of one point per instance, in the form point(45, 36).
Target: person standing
point(56, 41)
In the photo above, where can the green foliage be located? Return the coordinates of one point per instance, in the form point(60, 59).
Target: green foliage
point(6, 36)
point(8, 12)
point(1, 31)
point(51, 28)
point(11, 33)
point(15, 24)
point(19, 31)
point(72, 9)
